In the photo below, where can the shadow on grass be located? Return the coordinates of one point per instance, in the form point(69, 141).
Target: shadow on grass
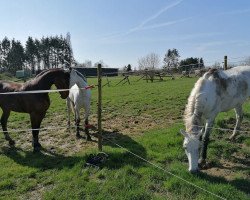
point(118, 159)
point(47, 159)
point(239, 183)
point(43, 160)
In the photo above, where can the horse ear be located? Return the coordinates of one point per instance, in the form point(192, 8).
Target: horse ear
point(183, 133)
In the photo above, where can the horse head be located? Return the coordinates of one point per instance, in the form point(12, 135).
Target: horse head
point(62, 81)
point(191, 145)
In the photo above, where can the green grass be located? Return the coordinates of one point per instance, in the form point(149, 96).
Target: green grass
point(145, 118)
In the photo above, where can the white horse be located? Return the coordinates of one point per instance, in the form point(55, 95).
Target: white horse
point(77, 99)
point(216, 91)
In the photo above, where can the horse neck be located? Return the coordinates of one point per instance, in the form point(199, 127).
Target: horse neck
point(80, 83)
point(193, 123)
point(193, 111)
point(45, 81)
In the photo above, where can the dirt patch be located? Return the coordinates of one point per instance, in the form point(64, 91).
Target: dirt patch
point(226, 169)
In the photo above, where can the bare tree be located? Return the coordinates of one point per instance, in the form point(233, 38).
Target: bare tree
point(150, 61)
point(247, 61)
point(88, 63)
point(217, 65)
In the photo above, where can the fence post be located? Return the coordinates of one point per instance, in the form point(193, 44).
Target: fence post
point(225, 62)
point(99, 112)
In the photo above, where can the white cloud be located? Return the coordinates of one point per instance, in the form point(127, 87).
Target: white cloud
point(233, 12)
point(165, 24)
point(142, 25)
point(156, 15)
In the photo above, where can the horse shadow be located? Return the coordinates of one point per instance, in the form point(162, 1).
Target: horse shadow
point(241, 184)
point(43, 160)
point(49, 159)
point(128, 149)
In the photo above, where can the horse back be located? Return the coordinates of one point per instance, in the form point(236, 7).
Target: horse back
point(7, 86)
point(26, 103)
point(230, 87)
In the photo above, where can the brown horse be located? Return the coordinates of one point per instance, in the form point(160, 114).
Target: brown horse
point(36, 104)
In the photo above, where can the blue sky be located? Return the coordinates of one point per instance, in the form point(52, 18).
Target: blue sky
point(121, 31)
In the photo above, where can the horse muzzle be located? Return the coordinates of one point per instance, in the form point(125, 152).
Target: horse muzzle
point(194, 171)
point(64, 95)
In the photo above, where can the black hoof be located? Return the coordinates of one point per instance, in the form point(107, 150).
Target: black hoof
point(89, 138)
point(203, 165)
point(78, 136)
point(36, 149)
point(39, 145)
point(12, 143)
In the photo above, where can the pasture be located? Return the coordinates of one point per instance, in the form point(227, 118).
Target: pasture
point(145, 118)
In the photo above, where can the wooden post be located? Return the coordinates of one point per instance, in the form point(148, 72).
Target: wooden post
point(225, 62)
point(99, 112)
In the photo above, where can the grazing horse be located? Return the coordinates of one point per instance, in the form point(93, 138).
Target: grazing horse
point(216, 91)
point(77, 99)
point(36, 104)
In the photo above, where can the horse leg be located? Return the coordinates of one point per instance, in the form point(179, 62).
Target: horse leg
point(87, 111)
point(68, 110)
point(205, 141)
point(239, 117)
point(4, 120)
point(36, 119)
point(87, 129)
point(77, 121)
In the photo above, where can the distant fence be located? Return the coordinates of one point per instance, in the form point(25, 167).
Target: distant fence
point(88, 72)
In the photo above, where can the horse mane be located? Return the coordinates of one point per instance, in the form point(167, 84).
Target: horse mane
point(192, 116)
point(46, 70)
point(80, 74)
point(191, 106)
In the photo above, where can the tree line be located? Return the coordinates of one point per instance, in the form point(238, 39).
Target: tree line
point(170, 61)
point(37, 54)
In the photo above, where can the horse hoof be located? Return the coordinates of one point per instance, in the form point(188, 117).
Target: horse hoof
point(78, 136)
point(89, 138)
point(36, 149)
point(202, 164)
point(11, 142)
point(39, 145)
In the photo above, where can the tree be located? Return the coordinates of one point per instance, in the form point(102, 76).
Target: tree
point(171, 59)
point(68, 52)
point(217, 65)
point(102, 63)
point(15, 57)
point(30, 52)
point(38, 53)
point(53, 51)
point(246, 61)
point(44, 50)
point(1, 54)
point(88, 63)
point(150, 61)
point(201, 63)
point(5, 48)
point(189, 63)
point(129, 68)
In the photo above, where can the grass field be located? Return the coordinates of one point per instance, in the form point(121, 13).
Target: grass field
point(144, 118)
